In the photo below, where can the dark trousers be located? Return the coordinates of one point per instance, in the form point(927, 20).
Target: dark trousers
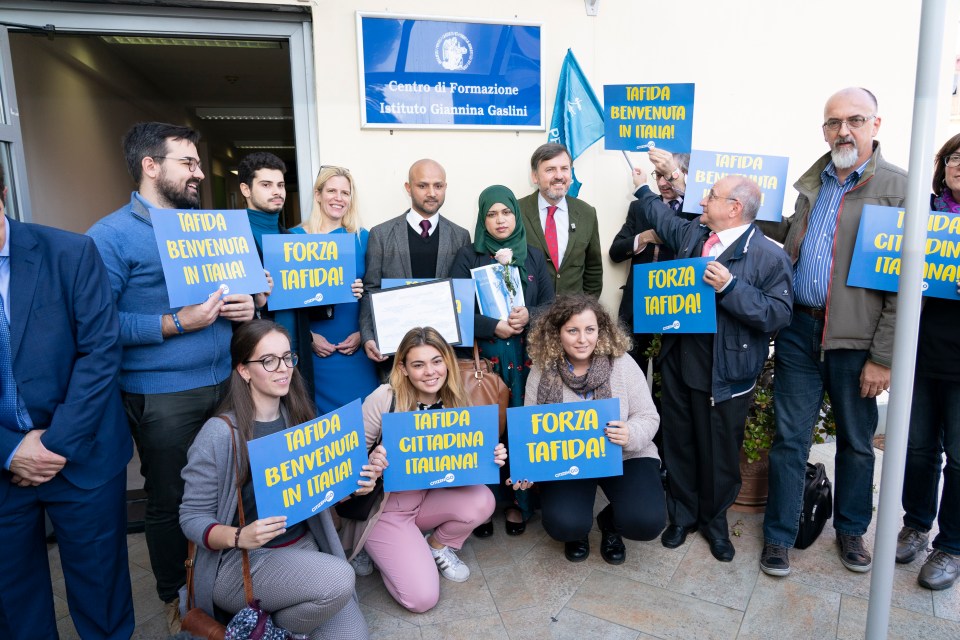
point(164, 426)
point(636, 509)
point(702, 448)
point(91, 529)
point(934, 429)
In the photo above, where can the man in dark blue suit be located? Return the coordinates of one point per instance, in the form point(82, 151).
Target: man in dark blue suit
point(64, 440)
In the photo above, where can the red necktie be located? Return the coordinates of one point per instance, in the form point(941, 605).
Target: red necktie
point(712, 240)
point(425, 226)
point(550, 234)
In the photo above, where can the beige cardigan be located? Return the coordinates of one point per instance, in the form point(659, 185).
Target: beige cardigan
point(636, 406)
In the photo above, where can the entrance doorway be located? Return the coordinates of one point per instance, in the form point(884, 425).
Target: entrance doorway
point(243, 79)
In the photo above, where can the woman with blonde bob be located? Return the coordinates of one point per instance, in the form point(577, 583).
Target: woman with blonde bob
point(425, 376)
point(579, 353)
point(342, 372)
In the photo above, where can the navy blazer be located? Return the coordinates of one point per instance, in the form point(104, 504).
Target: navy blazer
point(66, 367)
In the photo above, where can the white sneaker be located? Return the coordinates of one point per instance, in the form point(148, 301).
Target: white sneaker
point(362, 564)
point(450, 566)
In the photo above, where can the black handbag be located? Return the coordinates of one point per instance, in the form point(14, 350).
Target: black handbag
point(817, 505)
point(360, 507)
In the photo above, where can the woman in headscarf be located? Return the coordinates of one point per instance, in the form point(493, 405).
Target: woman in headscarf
point(500, 230)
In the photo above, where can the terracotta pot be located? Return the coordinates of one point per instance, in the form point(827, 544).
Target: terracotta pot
point(755, 484)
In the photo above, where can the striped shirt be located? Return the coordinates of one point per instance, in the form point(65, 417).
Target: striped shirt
point(811, 276)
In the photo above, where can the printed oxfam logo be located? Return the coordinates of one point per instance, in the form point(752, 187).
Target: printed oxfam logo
point(316, 298)
point(447, 479)
point(327, 498)
point(572, 471)
point(453, 51)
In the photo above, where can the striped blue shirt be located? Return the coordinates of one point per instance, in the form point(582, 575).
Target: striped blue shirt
point(811, 276)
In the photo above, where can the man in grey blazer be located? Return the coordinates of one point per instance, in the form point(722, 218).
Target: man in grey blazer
point(419, 244)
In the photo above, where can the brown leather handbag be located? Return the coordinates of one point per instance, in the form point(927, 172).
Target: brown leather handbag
point(197, 621)
point(483, 386)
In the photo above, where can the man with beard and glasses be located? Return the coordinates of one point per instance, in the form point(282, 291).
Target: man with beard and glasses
point(562, 226)
point(840, 340)
point(419, 244)
point(176, 362)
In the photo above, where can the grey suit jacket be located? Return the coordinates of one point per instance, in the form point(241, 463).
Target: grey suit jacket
point(388, 256)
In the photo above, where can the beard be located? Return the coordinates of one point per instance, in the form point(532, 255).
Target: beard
point(844, 157)
point(179, 197)
point(557, 190)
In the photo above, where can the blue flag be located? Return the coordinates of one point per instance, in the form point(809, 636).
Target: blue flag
point(577, 120)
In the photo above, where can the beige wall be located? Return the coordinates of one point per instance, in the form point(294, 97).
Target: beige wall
point(762, 73)
point(761, 81)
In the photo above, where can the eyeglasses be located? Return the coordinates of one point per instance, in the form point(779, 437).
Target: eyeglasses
point(853, 122)
point(192, 163)
point(271, 363)
point(711, 196)
point(333, 166)
point(952, 160)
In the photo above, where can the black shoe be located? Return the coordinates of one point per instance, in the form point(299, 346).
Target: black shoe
point(675, 535)
point(485, 530)
point(514, 528)
point(611, 546)
point(722, 549)
point(576, 550)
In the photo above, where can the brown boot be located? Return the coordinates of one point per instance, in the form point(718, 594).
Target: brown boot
point(172, 612)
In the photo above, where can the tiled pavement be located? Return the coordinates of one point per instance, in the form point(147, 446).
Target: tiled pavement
point(523, 588)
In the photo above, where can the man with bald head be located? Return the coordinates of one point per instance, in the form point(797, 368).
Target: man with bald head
point(841, 338)
point(709, 379)
point(418, 244)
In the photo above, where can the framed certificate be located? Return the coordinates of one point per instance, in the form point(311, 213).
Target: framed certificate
point(429, 304)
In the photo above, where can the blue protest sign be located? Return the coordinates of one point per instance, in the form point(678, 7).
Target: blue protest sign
point(769, 172)
point(417, 73)
point(876, 256)
point(563, 441)
point(201, 250)
point(463, 296)
point(641, 116)
point(310, 270)
point(671, 297)
point(300, 471)
point(441, 448)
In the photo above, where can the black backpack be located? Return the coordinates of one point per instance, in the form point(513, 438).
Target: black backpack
point(817, 505)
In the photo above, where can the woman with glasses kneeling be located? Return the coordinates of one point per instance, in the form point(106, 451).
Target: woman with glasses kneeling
point(580, 353)
point(300, 574)
point(424, 376)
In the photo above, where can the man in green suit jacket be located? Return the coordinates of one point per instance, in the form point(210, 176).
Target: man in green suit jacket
point(563, 227)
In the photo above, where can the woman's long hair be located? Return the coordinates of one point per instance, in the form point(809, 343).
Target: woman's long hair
point(351, 219)
point(543, 342)
point(239, 401)
point(452, 392)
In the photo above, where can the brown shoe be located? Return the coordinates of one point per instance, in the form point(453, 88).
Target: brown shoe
point(172, 611)
point(853, 554)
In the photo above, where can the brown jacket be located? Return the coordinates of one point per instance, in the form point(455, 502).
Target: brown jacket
point(856, 318)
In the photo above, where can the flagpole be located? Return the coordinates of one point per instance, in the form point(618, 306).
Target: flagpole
point(627, 158)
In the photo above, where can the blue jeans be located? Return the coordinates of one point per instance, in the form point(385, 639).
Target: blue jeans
point(801, 375)
point(934, 428)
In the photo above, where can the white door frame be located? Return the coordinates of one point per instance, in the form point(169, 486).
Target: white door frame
point(293, 27)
